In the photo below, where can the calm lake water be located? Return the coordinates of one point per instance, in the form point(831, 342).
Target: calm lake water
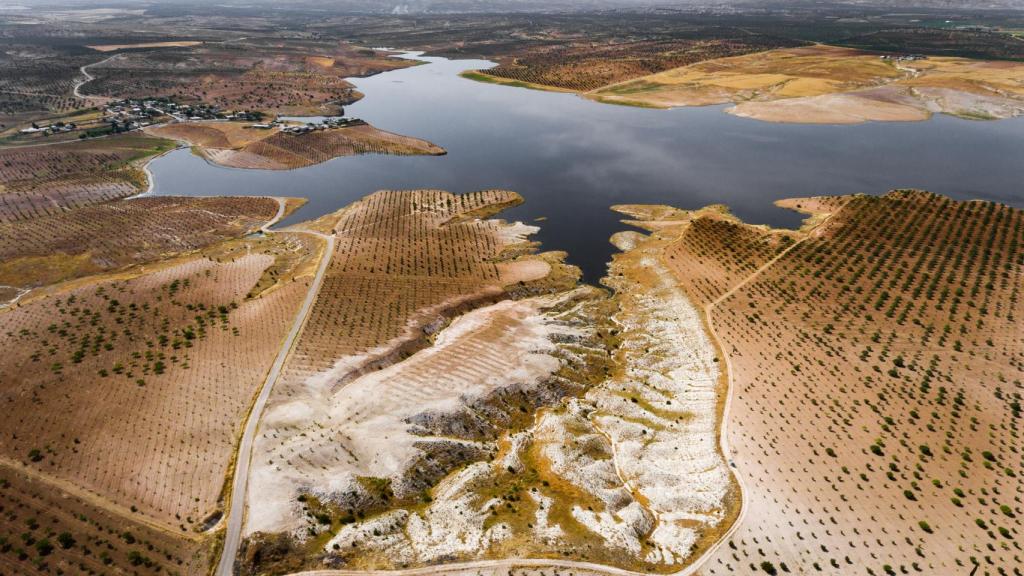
point(572, 159)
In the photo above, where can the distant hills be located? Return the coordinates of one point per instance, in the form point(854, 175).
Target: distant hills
point(478, 6)
point(427, 6)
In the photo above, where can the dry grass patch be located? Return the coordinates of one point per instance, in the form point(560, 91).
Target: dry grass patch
point(585, 64)
point(115, 47)
point(826, 84)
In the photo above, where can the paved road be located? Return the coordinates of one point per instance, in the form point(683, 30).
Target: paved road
point(240, 482)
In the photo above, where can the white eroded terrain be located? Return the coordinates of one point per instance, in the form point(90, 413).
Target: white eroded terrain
point(572, 425)
point(332, 440)
point(661, 411)
point(644, 441)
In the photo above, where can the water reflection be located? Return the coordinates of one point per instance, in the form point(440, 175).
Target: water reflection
point(572, 158)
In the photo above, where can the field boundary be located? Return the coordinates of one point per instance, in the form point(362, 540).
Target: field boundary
point(94, 499)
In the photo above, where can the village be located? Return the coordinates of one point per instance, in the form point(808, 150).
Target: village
point(141, 111)
point(904, 57)
point(325, 124)
point(137, 113)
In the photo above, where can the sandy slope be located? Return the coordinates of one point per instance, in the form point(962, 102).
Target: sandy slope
point(829, 85)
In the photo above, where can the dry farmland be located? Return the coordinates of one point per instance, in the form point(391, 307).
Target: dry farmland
point(134, 388)
point(279, 77)
point(112, 235)
point(233, 145)
point(37, 81)
point(40, 181)
point(401, 259)
point(825, 84)
point(116, 47)
point(876, 371)
point(584, 67)
point(46, 530)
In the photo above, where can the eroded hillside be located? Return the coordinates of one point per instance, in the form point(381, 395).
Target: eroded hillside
point(876, 362)
point(550, 421)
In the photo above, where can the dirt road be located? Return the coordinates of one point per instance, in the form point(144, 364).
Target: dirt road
point(88, 78)
point(240, 482)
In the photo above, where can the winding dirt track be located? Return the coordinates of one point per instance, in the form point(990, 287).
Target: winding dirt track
point(89, 78)
point(240, 481)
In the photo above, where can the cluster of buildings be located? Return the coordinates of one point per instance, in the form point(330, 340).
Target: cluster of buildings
point(51, 129)
point(904, 57)
point(326, 124)
point(143, 109)
point(132, 114)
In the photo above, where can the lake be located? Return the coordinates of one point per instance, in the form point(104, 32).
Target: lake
point(572, 158)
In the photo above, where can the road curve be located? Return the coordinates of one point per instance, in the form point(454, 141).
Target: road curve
point(89, 78)
point(240, 481)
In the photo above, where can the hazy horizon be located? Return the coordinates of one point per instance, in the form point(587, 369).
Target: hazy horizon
point(454, 6)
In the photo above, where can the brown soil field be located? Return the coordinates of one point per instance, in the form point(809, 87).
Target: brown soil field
point(290, 77)
point(401, 258)
point(47, 530)
point(826, 84)
point(133, 387)
point(115, 47)
point(46, 180)
point(876, 364)
point(208, 135)
point(695, 255)
point(112, 235)
point(232, 145)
